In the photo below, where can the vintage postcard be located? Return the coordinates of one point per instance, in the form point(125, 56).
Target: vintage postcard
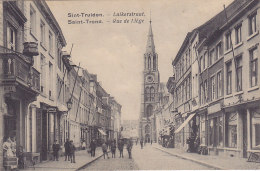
point(129, 85)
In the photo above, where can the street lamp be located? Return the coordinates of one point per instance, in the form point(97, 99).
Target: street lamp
point(69, 104)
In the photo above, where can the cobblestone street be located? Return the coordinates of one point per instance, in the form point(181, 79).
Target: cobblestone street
point(147, 158)
point(158, 160)
point(113, 163)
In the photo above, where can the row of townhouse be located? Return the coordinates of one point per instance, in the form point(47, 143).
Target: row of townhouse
point(164, 118)
point(216, 83)
point(43, 95)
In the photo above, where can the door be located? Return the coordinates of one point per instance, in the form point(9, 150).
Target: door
point(244, 117)
point(44, 152)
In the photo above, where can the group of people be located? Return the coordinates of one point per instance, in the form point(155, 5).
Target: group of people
point(120, 146)
point(106, 145)
point(69, 151)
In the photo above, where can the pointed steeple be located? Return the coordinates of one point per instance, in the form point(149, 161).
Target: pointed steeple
point(150, 48)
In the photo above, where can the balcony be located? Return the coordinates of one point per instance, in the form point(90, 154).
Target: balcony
point(17, 71)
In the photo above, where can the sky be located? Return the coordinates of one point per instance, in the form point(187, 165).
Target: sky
point(114, 51)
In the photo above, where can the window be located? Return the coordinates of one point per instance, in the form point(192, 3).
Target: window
point(201, 63)
point(238, 34)
point(201, 94)
point(42, 74)
point(211, 132)
point(202, 130)
point(50, 78)
point(205, 59)
point(216, 131)
point(219, 85)
point(220, 128)
point(211, 57)
point(253, 67)
point(185, 90)
point(152, 95)
point(239, 73)
point(218, 51)
point(205, 91)
point(252, 23)
point(11, 38)
point(182, 93)
point(188, 88)
point(50, 43)
point(213, 88)
point(255, 129)
point(33, 21)
point(232, 130)
point(229, 77)
point(147, 94)
point(228, 41)
point(189, 58)
point(42, 27)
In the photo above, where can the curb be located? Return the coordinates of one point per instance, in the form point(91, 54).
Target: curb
point(193, 160)
point(88, 163)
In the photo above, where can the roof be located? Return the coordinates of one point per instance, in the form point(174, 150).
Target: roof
point(49, 15)
point(150, 47)
point(212, 25)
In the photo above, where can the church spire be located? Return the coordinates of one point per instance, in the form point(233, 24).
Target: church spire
point(150, 48)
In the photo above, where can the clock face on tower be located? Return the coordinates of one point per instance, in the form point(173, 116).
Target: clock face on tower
point(149, 78)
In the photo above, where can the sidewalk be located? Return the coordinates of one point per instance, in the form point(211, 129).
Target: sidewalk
point(82, 158)
point(215, 162)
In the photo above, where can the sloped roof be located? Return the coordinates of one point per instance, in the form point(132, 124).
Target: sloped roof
point(150, 47)
point(209, 27)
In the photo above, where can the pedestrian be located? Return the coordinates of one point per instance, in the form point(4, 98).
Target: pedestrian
point(121, 148)
point(141, 143)
point(129, 148)
point(92, 148)
point(113, 149)
point(83, 145)
point(151, 142)
point(55, 149)
point(72, 152)
point(104, 149)
point(67, 150)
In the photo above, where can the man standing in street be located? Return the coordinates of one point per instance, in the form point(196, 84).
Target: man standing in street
point(121, 148)
point(55, 149)
point(141, 143)
point(72, 152)
point(129, 148)
point(113, 149)
point(92, 148)
point(67, 150)
point(104, 149)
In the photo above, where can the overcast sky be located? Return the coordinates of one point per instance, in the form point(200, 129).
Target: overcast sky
point(114, 51)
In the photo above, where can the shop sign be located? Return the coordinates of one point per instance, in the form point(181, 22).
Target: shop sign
point(52, 110)
point(9, 89)
point(214, 108)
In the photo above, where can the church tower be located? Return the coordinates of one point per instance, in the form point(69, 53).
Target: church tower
point(150, 99)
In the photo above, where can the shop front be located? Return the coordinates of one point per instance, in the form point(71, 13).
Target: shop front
point(18, 89)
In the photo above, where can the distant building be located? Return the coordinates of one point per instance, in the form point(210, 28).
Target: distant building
point(150, 87)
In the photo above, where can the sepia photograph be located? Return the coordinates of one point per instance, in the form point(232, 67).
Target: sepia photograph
point(129, 85)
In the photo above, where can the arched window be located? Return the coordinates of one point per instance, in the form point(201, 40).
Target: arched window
point(154, 62)
point(147, 94)
point(149, 62)
point(151, 94)
point(147, 129)
point(149, 110)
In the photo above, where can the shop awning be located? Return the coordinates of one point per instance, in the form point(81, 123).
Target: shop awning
point(185, 123)
point(102, 132)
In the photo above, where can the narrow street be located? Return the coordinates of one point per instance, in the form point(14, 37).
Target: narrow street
point(147, 158)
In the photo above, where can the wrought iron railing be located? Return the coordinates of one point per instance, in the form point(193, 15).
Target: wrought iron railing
point(18, 67)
